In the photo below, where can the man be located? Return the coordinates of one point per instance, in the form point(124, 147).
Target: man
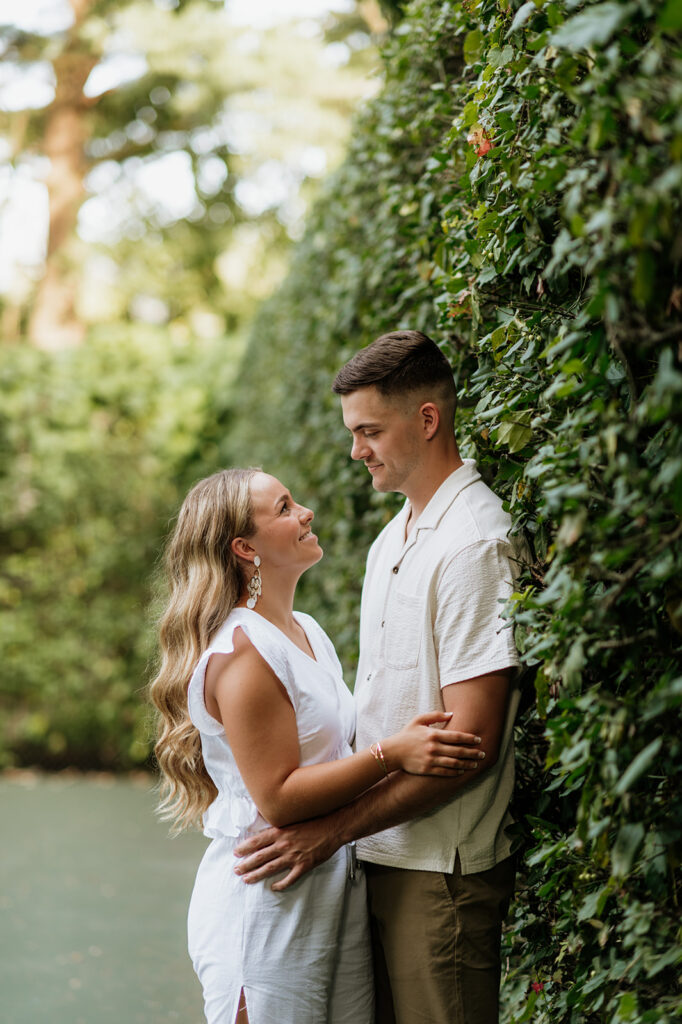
point(437, 859)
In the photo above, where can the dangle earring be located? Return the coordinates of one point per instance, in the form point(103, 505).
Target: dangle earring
point(254, 585)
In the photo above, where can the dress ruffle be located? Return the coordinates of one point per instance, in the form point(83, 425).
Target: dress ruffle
point(230, 815)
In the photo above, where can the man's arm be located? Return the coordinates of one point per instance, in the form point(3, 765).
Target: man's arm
point(478, 705)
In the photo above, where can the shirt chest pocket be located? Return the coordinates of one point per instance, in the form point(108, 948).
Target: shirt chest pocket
point(403, 630)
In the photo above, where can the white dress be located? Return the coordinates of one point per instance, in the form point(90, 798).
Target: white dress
point(301, 956)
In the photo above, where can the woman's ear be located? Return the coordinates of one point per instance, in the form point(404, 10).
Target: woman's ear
point(430, 418)
point(242, 549)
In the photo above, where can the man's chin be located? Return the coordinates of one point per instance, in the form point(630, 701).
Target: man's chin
point(380, 485)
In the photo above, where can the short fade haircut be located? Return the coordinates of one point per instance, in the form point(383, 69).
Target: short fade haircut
point(396, 364)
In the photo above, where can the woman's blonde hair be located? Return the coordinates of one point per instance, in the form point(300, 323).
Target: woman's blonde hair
point(205, 582)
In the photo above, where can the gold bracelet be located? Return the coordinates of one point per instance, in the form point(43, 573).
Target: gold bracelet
point(378, 755)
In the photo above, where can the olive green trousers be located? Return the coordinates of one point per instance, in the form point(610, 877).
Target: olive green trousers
point(436, 943)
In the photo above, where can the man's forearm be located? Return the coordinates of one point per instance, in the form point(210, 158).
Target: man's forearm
point(393, 801)
point(298, 848)
point(478, 705)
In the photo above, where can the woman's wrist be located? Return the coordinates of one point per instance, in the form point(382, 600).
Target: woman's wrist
point(380, 752)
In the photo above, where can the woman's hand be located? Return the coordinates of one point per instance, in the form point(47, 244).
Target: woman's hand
point(422, 749)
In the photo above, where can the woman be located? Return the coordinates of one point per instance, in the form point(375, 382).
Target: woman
point(261, 736)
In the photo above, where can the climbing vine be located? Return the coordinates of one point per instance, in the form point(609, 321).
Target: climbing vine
point(515, 192)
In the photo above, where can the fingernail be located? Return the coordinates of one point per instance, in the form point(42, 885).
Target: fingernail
point(477, 739)
point(449, 714)
point(481, 753)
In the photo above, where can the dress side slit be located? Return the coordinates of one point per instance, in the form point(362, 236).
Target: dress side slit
point(242, 1014)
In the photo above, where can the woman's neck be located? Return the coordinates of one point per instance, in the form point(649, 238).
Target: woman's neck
point(276, 601)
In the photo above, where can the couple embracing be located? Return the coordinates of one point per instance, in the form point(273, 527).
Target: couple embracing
point(342, 887)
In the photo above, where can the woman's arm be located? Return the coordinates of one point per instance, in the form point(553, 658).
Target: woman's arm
point(242, 691)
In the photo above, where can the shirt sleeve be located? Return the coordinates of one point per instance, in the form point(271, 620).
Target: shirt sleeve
point(470, 636)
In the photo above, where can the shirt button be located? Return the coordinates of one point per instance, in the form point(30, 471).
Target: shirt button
point(369, 677)
point(396, 568)
point(383, 624)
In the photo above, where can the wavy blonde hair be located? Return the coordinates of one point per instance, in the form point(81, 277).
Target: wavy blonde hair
point(205, 582)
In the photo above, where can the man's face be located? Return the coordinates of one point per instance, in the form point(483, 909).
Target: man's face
point(386, 436)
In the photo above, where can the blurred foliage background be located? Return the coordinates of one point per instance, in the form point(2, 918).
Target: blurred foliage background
point(514, 189)
point(158, 160)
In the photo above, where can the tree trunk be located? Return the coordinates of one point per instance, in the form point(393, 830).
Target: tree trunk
point(53, 323)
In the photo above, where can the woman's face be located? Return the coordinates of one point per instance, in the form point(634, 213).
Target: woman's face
point(283, 536)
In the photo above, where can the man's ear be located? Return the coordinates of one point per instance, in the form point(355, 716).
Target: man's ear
point(429, 415)
point(242, 549)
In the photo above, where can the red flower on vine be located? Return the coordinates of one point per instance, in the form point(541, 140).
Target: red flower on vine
point(537, 986)
point(478, 138)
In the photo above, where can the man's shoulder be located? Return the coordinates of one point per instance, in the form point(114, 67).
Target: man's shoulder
point(476, 515)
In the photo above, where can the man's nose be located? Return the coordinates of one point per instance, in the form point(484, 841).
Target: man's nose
point(359, 449)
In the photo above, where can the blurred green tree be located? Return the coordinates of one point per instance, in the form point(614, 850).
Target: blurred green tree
point(168, 128)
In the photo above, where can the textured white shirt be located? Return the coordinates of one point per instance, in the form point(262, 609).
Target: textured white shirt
point(431, 617)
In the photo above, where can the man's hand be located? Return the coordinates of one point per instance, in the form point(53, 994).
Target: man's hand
point(296, 849)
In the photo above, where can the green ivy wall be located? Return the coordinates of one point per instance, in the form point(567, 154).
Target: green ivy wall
point(515, 191)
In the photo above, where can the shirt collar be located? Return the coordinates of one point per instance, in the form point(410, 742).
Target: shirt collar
point(441, 501)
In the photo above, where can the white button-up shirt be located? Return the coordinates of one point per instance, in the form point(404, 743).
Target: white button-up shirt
point(431, 617)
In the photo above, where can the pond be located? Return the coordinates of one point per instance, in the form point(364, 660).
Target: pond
point(93, 904)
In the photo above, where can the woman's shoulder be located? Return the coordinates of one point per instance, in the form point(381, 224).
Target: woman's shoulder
point(246, 635)
point(243, 631)
point(247, 641)
point(222, 640)
point(234, 648)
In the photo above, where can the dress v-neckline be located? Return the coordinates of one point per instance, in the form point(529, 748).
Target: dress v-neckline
point(311, 657)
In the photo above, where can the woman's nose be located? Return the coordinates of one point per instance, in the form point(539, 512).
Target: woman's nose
point(307, 514)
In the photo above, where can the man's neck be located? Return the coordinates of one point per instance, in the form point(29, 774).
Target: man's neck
point(419, 491)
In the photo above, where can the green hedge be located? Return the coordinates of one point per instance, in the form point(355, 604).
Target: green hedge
point(515, 192)
point(97, 446)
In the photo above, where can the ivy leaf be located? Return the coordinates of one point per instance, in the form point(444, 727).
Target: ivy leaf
point(645, 274)
point(593, 27)
point(627, 1006)
point(498, 58)
point(638, 766)
point(515, 432)
point(470, 114)
point(593, 904)
point(673, 956)
point(671, 16)
point(473, 46)
point(628, 841)
point(522, 16)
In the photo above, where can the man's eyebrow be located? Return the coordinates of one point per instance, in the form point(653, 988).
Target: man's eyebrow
point(364, 426)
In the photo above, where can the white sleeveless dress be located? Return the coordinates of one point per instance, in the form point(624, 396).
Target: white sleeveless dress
point(302, 956)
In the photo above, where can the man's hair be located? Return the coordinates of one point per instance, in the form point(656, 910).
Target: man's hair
point(398, 363)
